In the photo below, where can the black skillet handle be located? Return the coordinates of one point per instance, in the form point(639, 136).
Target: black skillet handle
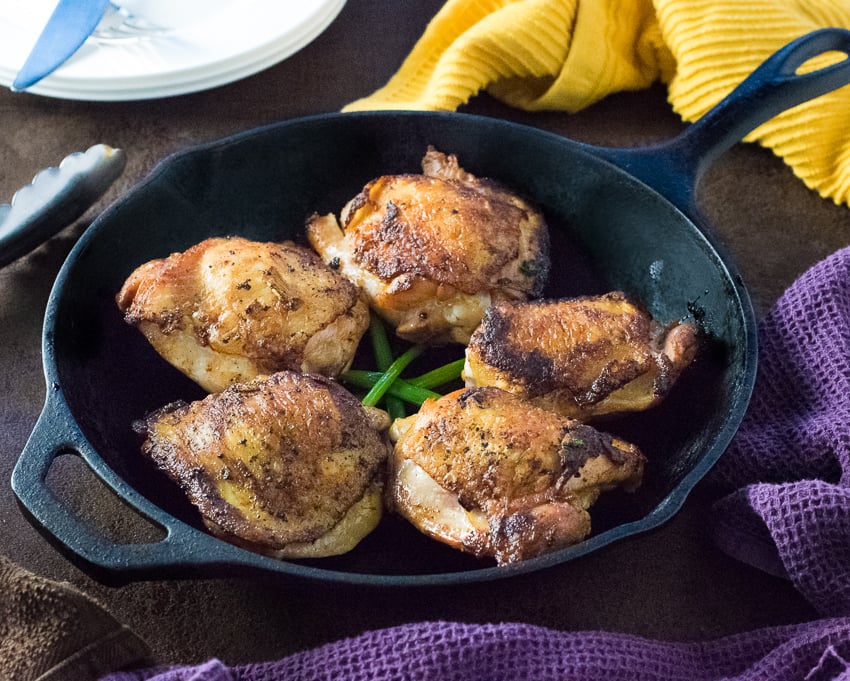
point(673, 168)
point(55, 434)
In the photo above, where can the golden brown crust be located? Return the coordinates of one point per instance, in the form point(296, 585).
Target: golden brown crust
point(440, 230)
point(229, 309)
point(528, 472)
point(424, 247)
point(276, 461)
point(581, 357)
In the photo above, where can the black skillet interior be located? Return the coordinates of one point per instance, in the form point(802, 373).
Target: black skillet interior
point(608, 232)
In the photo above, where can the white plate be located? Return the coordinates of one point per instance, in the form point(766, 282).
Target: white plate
point(237, 41)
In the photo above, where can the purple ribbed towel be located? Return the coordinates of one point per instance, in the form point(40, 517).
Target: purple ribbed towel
point(787, 512)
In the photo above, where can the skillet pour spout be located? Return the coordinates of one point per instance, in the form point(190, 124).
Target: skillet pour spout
point(625, 215)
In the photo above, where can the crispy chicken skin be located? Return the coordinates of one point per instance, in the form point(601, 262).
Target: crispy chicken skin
point(581, 357)
point(229, 309)
point(493, 475)
point(432, 251)
point(289, 465)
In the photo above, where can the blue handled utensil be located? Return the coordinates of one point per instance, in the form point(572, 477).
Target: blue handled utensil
point(71, 23)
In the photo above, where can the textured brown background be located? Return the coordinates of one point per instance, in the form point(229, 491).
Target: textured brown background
point(671, 583)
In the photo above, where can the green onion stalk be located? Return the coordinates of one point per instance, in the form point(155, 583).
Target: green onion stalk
point(385, 384)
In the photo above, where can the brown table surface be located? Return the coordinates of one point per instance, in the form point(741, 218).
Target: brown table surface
point(671, 583)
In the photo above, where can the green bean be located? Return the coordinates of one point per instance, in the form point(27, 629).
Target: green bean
point(439, 376)
point(380, 343)
point(384, 359)
point(391, 374)
point(400, 388)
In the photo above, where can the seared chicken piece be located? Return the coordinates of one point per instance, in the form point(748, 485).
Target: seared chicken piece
point(289, 465)
point(582, 357)
point(432, 251)
point(230, 309)
point(493, 475)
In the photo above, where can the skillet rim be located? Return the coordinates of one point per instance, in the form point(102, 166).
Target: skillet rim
point(231, 556)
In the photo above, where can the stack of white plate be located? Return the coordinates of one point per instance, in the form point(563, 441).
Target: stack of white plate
point(242, 38)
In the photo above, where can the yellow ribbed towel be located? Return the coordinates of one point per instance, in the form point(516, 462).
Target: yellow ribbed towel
point(568, 54)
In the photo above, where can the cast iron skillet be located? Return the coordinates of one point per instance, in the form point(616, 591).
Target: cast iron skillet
point(620, 219)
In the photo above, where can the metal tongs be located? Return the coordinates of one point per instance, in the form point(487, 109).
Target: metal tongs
point(55, 198)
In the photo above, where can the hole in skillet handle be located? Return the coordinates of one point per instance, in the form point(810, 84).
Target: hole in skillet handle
point(782, 81)
point(86, 497)
point(178, 550)
point(82, 492)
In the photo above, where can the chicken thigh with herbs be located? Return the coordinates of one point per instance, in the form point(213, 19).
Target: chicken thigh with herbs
point(432, 251)
point(580, 357)
point(229, 309)
point(493, 475)
point(289, 465)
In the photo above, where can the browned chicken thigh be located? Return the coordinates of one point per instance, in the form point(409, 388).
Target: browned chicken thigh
point(493, 475)
point(581, 357)
point(432, 251)
point(290, 465)
point(229, 309)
